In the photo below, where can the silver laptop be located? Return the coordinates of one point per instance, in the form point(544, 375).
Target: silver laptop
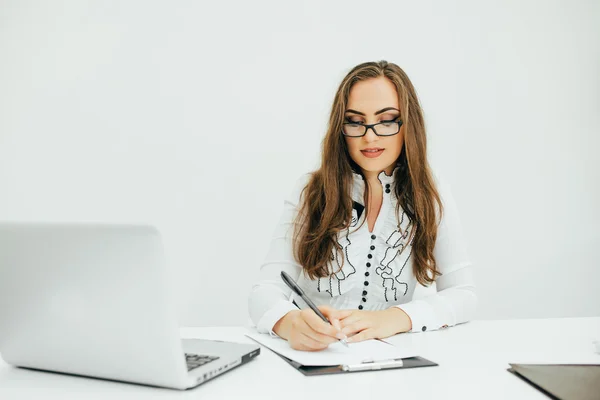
point(93, 300)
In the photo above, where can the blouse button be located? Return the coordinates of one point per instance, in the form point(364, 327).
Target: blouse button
point(367, 284)
point(367, 273)
point(364, 300)
point(368, 265)
point(360, 307)
point(372, 247)
point(387, 185)
point(370, 256)
point(364, 292)
point(387, 190)
point(424, 328)
point(373, 237)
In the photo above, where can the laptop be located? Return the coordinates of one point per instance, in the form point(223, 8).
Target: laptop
point(93, 300)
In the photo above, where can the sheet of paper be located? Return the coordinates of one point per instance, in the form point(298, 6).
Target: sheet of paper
point(336, 353)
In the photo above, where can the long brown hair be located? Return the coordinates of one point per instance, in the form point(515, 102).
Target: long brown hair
point(326, 208)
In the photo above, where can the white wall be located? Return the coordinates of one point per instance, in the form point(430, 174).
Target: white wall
point(198, 116)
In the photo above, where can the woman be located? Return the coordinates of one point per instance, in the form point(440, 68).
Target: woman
point(369, 225)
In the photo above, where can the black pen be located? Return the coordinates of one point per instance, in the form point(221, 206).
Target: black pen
point(298, 290)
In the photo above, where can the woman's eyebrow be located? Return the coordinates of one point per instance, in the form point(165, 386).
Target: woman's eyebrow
point(386, 109)
point(376, 113)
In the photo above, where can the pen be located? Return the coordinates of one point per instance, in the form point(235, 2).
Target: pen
point(298, 290)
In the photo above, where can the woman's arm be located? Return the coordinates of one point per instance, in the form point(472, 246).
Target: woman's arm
point(455, 301)
point(270, 300)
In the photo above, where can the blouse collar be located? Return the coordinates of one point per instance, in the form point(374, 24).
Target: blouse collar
point(382, 176)
point(359, 180)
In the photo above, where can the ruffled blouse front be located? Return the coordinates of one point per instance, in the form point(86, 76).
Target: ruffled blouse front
point(375, 269)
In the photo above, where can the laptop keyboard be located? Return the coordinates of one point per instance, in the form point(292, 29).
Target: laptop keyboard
point(196, 360)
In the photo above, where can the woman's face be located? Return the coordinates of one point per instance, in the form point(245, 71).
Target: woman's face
point(372, 101)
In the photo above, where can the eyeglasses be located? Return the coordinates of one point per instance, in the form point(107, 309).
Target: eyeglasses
point(384, 128)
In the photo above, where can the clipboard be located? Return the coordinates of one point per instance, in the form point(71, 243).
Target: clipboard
point(371, 358)
point(402, 363)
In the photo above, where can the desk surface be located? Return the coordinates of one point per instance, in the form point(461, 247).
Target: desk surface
point(472, 359)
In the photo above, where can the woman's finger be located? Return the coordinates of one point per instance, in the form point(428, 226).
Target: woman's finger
point(307, 328)
point(363, 335)
point(331, 313)
point(302, 342)
point(311, 344)
point(355, 327)
point(354, 318)
point(318, 325)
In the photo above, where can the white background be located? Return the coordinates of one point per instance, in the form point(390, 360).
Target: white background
point(197, 117)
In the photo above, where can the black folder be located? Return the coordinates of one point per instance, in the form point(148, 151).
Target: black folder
point(564, 382)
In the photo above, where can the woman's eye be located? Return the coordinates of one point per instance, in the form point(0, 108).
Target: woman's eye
point(389, 121)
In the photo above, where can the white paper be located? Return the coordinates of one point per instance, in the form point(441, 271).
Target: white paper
point(336, 353)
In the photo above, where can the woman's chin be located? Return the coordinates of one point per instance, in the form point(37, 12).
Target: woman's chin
point(374, 165)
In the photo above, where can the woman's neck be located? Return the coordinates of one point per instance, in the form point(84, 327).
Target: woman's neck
point(372, 177)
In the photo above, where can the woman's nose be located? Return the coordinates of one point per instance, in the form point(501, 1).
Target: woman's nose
point(370, 135)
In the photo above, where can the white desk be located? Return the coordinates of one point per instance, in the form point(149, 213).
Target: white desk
point(472, 359)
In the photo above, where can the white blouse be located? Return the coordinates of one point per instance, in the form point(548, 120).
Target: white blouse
point(377, 270)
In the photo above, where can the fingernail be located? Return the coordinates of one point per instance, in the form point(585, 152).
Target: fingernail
point(340, 335)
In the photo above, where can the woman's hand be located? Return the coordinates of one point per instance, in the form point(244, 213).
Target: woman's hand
point(362, 325)
point(305, 330)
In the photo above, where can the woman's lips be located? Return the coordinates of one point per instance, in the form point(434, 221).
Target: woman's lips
point(372, 153)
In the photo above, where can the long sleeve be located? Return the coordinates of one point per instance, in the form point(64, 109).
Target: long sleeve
point(270, 298)
point(456, 300)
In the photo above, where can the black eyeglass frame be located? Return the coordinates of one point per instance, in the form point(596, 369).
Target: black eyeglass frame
point(372, 126)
